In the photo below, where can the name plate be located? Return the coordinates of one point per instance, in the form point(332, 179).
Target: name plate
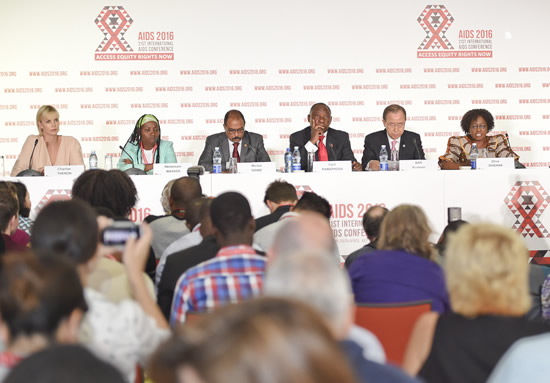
point(255, 167)
point(495, 163)
point(406, 165)
point(332, 166)
point(177, 169)
point(63, 171)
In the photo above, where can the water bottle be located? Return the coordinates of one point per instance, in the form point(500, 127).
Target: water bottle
point(473, 156)
point(288, 161)
point(93, 160)
point(383, 158)
point(296, 160)
point(217, 161)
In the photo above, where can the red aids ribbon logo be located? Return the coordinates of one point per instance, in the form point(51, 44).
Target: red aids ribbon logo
point(114, 21)
point(435, 20)
point(527, 200)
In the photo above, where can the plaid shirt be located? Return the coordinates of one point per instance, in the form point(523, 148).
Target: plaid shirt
point(235, 274)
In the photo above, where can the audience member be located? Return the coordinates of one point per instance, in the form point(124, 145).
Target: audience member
point(525, 361)
point(193, 222)
point(19, 239)
point(25, 223)
point(64, 364)
point(112, 194)
point(124, 334)
point(263, 239)
point(280, 197)
point(372, 220)
point(402, 270)
point(181, 261)
point(111, 189)
point(486, 270)
point(169, 228)
point(235, 274)
point(41, 303)
point(303, 276)
point(443, 240)
point(9, 218)
point(164, 201)
point(262, 340)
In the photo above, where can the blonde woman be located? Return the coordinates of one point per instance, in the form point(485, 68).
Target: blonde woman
point(487, 279)
point(48, 147)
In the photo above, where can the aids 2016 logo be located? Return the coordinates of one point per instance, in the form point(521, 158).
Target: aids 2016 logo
point(114, 22)
point(436, 21)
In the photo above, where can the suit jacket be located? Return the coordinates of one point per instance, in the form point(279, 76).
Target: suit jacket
point(252, 149)
point(166, 156)
point(337, 143)
point(410, 146)
point(177, 264)
point(271, 218)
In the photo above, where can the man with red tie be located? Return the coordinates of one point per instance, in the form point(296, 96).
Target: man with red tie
point(328, 144)
point(234, 142)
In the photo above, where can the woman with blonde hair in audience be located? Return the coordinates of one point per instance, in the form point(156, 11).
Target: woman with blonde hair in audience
point(265, 340)
point(41, 303)
point(402, 269)
point(487, 279)
point(48, 147)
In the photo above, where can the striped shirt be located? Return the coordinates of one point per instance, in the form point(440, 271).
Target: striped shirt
point(235, 274)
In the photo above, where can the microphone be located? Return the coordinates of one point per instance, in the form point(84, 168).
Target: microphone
point(507, 139)
point(416, 147)
point(128, 154)
point(252, 149)
point(133, 171)
point(30, 172)
point(32, 153)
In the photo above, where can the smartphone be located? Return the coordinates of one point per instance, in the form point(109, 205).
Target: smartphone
point(118, 233)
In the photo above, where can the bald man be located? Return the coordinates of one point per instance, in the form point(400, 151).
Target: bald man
point(234, 142)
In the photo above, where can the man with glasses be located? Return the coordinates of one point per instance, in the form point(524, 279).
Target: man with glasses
point(328, 144)
point(234, 142)
point(407, 144)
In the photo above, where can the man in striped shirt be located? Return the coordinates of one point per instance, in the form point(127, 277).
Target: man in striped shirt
point(235, 274)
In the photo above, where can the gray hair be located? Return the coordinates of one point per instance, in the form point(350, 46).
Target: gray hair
point(309, 231)
point(165, 196)
point(315, 278)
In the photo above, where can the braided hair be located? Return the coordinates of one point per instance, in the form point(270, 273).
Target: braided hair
point(135, 137)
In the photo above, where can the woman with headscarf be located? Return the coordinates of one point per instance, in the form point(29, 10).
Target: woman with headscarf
point(144, 148)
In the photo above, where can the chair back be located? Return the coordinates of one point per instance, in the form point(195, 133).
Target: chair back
point(392, 323)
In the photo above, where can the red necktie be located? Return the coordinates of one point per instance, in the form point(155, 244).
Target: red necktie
point(323, 155)
point(236, 151)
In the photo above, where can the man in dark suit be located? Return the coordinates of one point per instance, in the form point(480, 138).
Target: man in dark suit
point(407, 144)
point(327, 143)
point(280, 197)
point(234, 142)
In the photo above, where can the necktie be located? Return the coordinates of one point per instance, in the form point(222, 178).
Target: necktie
point(236, 151)
point(393, 145)
point(323, 155)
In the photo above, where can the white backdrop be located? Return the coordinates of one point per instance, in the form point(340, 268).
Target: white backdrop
point(272, 60)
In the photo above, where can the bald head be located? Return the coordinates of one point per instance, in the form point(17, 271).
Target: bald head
point(310, 231)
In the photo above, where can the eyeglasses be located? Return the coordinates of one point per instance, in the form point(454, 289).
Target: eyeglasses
point(482, 127)
point(395, 125)
point(235, 131)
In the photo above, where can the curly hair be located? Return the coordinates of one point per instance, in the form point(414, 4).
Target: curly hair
point(472, 115)
point(112, 189)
